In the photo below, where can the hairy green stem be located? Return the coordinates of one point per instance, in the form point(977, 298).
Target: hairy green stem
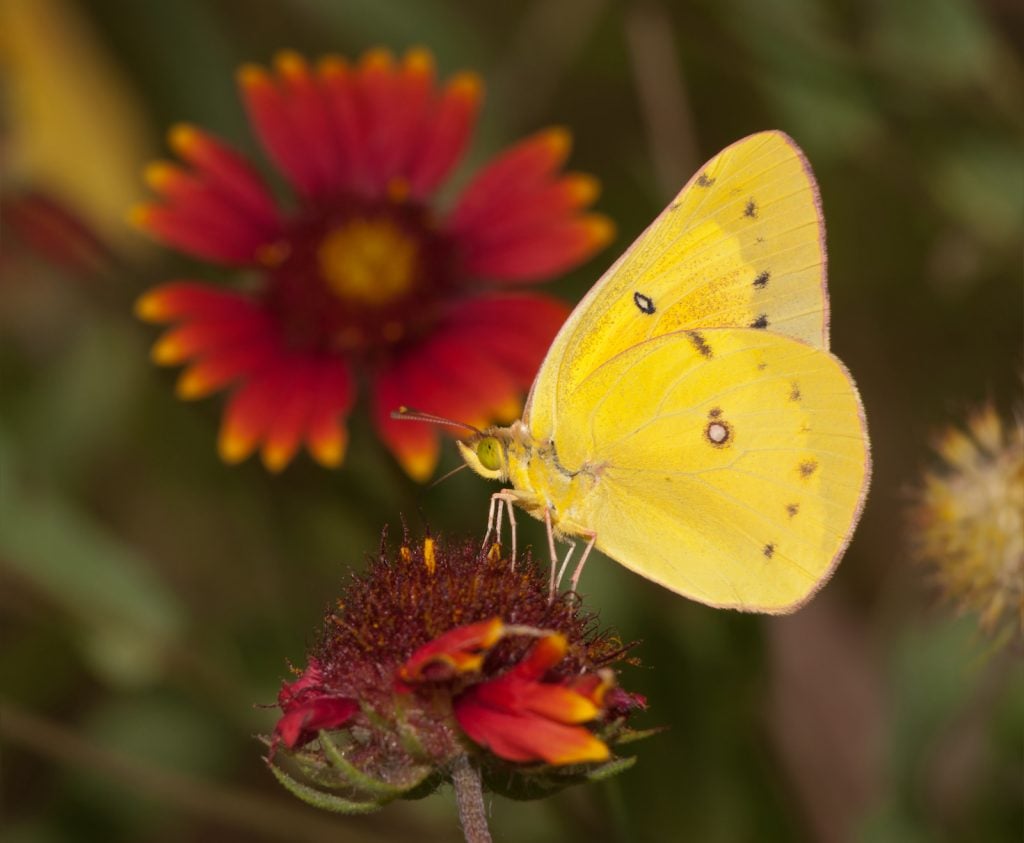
point(469, 795)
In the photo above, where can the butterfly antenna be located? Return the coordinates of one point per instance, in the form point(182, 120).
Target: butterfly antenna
point(409, 414)
point(455, 470)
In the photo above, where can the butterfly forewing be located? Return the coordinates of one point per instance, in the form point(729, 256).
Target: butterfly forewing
point(732, 463)
point(741, 245)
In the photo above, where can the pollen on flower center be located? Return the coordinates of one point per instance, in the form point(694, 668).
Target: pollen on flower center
point(369, 261)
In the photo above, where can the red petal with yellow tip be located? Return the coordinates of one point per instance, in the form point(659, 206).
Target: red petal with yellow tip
point(228, 172)
point(202, 337)
point(526, 737)
point(190, 195)
point(447, 134)
point(396, 101)
point(219, 241)
point(413, 444)
point(520, 170)
point(521, 718)
point(250, 413)
point(456, 651)
point(540, 252)
point(339, 90)
point(415, 87)
point(307, 108)
point(516, 217)
point(291, 414)
point(326, 437)
point(187, 299)
point(269, 111)
point(378, 91)
point(543, 656)
point(218, 370)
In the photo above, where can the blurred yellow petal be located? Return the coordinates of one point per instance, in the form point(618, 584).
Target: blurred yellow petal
point(75, 127)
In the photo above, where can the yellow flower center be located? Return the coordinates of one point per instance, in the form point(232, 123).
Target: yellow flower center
point(372, 262)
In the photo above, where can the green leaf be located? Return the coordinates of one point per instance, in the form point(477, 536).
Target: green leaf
point(129, 614)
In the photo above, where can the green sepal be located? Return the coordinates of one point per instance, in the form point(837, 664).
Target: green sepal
point(426, 787)
point(543, 780)
point(611, 768)
point(406, 734)
point(360, 781)
point(626, 735)
point(319, 799)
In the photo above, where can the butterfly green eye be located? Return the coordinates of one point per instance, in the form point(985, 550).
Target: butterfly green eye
point(488, 451)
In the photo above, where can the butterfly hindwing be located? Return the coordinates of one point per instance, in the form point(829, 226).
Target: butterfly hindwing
point(732, 463)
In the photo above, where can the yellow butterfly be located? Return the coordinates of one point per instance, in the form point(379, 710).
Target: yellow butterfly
point(689, 420)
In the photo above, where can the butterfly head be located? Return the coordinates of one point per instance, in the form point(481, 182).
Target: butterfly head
point(487, 455)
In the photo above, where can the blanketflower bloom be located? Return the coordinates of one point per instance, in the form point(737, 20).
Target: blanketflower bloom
point(365, 279)
point(968, 521)
point(444, 652)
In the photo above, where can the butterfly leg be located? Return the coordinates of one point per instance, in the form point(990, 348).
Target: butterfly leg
point(592, 537)
point(494, 513)
point(565, 564)
point(551, 550)
point(499, 502)
point(512, 527)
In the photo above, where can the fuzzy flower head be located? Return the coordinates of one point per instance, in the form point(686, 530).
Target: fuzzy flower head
point(969, 520)
point(364, 280)
point(440, 652)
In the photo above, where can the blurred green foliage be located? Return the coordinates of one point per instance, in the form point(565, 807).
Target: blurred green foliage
point(149, 595)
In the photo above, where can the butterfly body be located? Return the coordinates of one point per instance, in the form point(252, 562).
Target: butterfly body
point(689, 419)
point(540, 483)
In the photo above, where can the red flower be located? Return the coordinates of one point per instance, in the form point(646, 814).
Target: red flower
point(440, 652)
point(365, 279)
point(521, 718)
point(308, 709)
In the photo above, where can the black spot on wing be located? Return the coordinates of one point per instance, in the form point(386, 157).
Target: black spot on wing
point(760, 322)
point(643, 303)
point(714, 412)
point(762, 280)
point(792, 509)
point(704, 180)
point(794, 392)
point(751, 209)
point(807, 468)
point(768, 550)
point(698, 342)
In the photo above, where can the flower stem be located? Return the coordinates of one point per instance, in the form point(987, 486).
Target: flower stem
point(469, 795)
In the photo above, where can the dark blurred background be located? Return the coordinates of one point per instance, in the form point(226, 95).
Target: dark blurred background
point(150, 595)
